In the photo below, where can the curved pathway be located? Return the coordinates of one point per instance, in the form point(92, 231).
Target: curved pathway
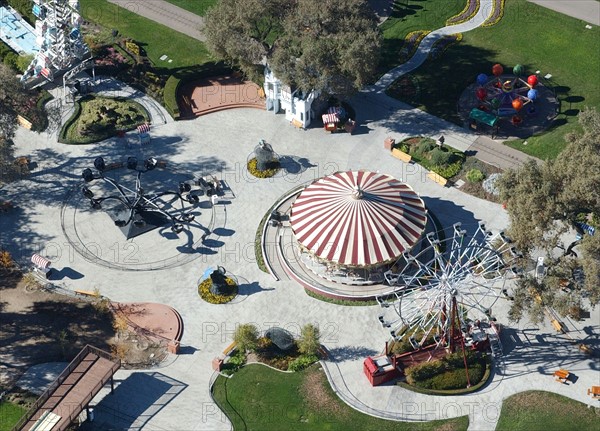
point(419, 57)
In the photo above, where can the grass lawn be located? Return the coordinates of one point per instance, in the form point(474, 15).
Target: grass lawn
point(9, 415)
point(539, 39)
point(410, 16)
point(538, 410)
point(156, 39)
point(258, 398)
point(198, 7)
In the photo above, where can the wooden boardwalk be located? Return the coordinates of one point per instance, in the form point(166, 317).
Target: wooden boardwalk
point(72, 391)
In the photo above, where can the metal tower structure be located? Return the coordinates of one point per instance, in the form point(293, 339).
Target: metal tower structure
point(60, 40)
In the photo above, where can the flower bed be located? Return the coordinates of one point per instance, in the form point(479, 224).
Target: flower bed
point(208, 296)
point(443, 44)
point(470, 10)
point(267, 173)
point(411, 43)
point(496, 15)
point(445, 161)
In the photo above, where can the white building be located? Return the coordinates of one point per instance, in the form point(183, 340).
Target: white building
point(295, 103)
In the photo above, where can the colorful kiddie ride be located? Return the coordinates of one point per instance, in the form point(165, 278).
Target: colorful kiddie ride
point(504, 96)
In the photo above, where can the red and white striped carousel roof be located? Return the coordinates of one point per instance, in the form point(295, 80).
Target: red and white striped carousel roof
point(358, 218)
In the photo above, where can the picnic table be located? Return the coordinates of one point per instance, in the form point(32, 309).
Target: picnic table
point(561, 375)
point(594, 391)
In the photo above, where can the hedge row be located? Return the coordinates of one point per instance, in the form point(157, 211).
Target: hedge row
point(486, 376)
point(177, 79)
point(62, 136)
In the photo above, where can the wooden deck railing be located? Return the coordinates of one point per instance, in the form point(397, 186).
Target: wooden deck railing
point(62, 377)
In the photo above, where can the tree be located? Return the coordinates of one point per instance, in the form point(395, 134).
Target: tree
point(9, 98)
point(546, 200)
point(309, 341)
point(246, 337)
point(325, 45)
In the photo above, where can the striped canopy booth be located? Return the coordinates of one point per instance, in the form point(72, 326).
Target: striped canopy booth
point(358, 218)
point(41, 264)
point(144, 133)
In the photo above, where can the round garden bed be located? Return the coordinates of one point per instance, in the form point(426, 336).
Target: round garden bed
point(208, 296)
point(273, 168)
point(97, 118)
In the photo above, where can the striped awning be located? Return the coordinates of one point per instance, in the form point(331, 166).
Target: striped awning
point(330, 118)
point(143, 128)
point(358, 218)
point(40, 261)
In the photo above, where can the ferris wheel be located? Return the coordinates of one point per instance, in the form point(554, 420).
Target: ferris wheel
point(451, 279)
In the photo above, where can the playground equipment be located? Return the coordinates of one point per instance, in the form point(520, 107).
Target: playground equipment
point(445, 294)
point(458, 270)
point(60, 40)
point(504, 96)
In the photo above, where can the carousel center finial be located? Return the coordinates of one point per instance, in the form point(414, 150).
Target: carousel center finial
point(357, 193)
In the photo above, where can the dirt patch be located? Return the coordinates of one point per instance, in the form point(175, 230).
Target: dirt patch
point(318, 395)
point(38, 326)
point(476, 188)
point(137, 351)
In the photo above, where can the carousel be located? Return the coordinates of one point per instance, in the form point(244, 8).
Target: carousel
point(350, 227)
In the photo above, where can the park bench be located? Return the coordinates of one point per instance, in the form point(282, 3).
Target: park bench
point(558, 325)
point(594, 391)
point(230, 348)
point(437, 178)
point(401, 155)
point(562, 375)
point(85, 292)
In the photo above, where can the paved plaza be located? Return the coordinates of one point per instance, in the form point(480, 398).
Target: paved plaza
point(220, 144)
point(175, 394)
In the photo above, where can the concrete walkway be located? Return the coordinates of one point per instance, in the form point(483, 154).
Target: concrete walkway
point(585, 10)
point(485, 10)
point(167, 14)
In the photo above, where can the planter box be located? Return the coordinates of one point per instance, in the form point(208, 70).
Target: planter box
point(401, 155)
point(437, 178)
point(388, 143)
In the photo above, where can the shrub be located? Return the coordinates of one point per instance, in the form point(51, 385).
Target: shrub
point(236, 361)
point(447, 372)
point(309, 341)
point(425, 146)
point(6, 260)
point(440, 157)
point(450, 170)
point(246, 337)
point(170, 96)
point(302, 362)
point(475, 176)
point(424, 371)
